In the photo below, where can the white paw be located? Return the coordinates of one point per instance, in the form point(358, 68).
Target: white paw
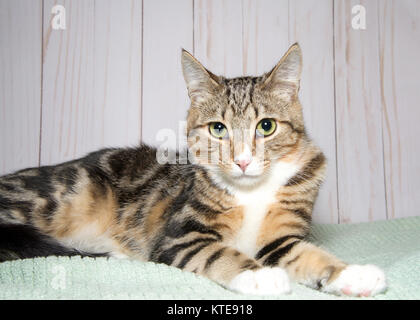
point(357, 280)
point(265, 281)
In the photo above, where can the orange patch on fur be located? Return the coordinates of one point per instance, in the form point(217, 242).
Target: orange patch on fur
point(228, 223)
point(279, 222)
point(82, 209)
point(154, 219)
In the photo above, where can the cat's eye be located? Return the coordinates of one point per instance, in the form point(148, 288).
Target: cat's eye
point(265, 127)
point(218, 130)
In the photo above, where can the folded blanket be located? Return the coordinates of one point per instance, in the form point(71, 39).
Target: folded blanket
point(392, 245)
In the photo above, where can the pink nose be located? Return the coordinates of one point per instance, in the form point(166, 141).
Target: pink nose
point(243, 164)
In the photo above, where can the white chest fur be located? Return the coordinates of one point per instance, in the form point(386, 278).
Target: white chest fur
point(256, 202)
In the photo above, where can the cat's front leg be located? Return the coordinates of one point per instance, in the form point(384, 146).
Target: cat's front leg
point(230, 268)
point(316, 268)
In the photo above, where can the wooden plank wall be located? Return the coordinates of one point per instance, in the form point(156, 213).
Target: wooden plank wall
point(399, 52)
point(113, 78)
point(20, 83)
point(91, 94)
point(358, 115)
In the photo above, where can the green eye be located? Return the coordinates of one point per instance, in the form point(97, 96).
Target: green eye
point(218, 130)
point(266, 127)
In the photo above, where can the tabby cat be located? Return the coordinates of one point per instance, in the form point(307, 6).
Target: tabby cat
point(238, 212)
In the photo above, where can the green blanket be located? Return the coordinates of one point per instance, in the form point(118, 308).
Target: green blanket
point(392, 245)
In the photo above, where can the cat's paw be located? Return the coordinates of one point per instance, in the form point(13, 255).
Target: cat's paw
point(265, 281)
point(357, 280)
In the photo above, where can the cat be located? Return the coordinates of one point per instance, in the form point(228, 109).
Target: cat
point(238, 212)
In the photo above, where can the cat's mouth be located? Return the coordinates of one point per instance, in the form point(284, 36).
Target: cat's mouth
point(248, 175)
point(247, 180)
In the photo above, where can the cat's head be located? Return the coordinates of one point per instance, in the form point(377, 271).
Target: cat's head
point(239, 127)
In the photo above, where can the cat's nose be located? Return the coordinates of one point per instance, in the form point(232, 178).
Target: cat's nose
point(243, 164)
point(244, 158)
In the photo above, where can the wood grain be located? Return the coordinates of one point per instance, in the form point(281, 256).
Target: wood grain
point(168, 27)
point(399, 28)
point(218, 36)
point(265, 34)
point(311, 25)
point(20, 83)
point(92, 78)
point(359, 119)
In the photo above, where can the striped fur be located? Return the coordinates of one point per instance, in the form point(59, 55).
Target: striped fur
point(202, 217)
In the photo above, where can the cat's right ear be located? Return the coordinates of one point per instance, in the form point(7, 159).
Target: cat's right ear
point(201, 83)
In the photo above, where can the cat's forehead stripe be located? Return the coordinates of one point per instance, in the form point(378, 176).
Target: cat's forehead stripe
point(239, 92)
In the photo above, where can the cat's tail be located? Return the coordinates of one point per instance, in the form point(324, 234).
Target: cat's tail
point(18, 241)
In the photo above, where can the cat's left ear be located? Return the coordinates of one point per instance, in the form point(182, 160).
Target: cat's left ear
point(201, 83)
point(283, 80)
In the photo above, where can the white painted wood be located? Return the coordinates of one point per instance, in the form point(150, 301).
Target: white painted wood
point(218, 36)
point(399, 23)
point(92, 78)
point(20, 83)
point(311, 25)
point(168, 27)
point(358, 115)
point(265, 34)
